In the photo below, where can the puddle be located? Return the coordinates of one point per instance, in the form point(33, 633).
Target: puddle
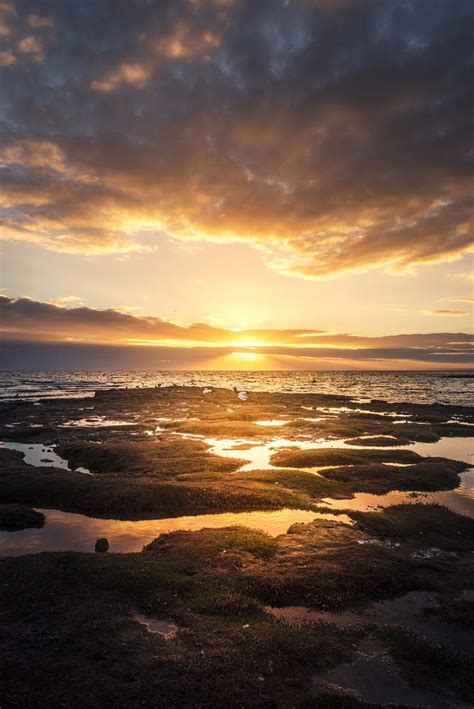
point(259, 454)
point(95, 421)
point(272, 422)
point(372, 440)
point(65, 531)
point(164, 628)
point(405, 611)
point(349, 410)
point(375, 678)
point(373, 675)
point(454, 447)
point(460, 500)
point(399, 465)
point(41, 456)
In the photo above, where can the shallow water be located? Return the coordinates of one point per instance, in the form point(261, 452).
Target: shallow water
point(455, 447)
point(405, 611)
point(66, 531)
point(259, 454)
point(41, 456)
point(272, 422)
point(460, 500)
point(156, 626)
point(416, 387)
point(375, 677)
point(96, 422)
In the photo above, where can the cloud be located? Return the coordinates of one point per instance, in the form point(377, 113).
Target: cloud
point(31, 45)
point(333, 136)
point(464, 276)
point(132, 74)
point(7, 7)
point(461, 299)
point(39, 21)
point(7, 58)
point(62, 321)
point(67, 301)
point(449, 313)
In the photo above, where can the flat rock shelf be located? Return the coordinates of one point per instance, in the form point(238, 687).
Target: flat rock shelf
point(283, 549)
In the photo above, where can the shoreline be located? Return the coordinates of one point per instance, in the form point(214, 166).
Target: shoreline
point(203, 601)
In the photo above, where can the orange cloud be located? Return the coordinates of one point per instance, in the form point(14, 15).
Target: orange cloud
point(25, 321)
point(7, 58)
point(133, 74)
point(65, 319)
point(449, 313)
point(32, 46)
point(185, 41)
point(39, 21)
point(329, 156)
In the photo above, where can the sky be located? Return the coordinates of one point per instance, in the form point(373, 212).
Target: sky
point(237, 183)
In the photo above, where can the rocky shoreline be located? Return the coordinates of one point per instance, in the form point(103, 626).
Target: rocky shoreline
point(71, 635)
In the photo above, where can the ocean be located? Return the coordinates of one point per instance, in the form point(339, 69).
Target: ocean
point(445, 387)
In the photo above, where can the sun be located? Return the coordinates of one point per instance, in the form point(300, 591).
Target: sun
point(249, 356)
point(247, 360)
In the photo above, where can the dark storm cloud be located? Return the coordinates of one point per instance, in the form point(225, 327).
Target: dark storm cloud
point(334, 134)
point(32, 321)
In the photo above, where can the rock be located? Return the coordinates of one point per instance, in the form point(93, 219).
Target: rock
point(102, 545)
point(16, 517)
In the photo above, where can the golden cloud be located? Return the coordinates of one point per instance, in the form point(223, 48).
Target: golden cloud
point(61, 319)
point(226, 122)
point(31, 45)
point(7, 58)
point(133, 74)
point(449, 313)
point(39, 21)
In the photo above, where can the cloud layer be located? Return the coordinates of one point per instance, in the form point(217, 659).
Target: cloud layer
point(334, 136)
point(30, 321)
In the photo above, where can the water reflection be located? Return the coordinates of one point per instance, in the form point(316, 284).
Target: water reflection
point(272, 422)
point(408, 611)
point(259, 454)
point(362, 387)
point(456, 448)
point(65, 531)
point(96, 422)
point(460, 500)
point(41, 456)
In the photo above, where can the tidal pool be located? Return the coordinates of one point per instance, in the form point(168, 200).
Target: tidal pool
point(65, 531)
point(454, 447)
point(408, 611)
point(96, 422)
point(157, 626)
point(41, 456)
point(375, 677)
point(259, 454)
point(272, 422)
point(460, 500)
